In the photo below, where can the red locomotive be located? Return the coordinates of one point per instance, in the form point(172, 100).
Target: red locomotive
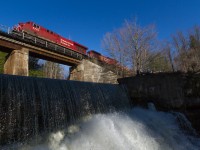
point(36, 30)
point(39, 31)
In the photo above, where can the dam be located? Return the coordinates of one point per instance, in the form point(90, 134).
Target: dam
point(46, 114)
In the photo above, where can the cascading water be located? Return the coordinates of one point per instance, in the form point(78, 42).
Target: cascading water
point(69, 115)
point(31, 106)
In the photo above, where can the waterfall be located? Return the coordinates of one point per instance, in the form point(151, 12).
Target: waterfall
point(46, 114)
point(31, 106)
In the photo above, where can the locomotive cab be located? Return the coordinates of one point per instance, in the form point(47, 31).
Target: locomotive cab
point(36, 27)
point(28, 27)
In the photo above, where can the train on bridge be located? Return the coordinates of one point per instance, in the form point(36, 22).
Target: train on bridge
point(41, 32)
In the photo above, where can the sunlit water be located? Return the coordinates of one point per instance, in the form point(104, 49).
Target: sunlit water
point(136, 129)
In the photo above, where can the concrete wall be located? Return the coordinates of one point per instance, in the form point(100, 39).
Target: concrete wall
point(176, 91)
point(92, 72)
point(17, 62)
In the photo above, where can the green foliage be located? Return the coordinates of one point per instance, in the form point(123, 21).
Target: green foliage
point(36, 73)
point(2, 61)
point(35, 70)
point(193, 42)
point(187, 47)
point(159, 64)
point(33, 63)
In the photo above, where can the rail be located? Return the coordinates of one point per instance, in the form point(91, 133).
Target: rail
point(34, 40)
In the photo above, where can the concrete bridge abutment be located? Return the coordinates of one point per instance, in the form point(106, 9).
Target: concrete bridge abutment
point(89, 71)
point(17, 62)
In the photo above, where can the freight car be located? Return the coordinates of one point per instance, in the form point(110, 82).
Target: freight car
point(94, 54)
point(39, 31)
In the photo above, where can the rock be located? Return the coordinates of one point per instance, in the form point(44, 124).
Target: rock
point(168, 91)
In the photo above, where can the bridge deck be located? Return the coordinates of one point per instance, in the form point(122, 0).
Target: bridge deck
point(40, 48)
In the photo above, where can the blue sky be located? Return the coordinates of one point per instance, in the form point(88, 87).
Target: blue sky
point(86, 21)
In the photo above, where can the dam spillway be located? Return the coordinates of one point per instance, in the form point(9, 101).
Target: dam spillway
point(31, 106)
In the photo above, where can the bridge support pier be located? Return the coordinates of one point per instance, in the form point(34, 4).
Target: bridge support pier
point(92, 72)
point(17, 62)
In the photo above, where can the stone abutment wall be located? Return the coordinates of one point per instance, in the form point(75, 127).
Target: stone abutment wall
point(17, 62)
point(168, 91)
point(93, 72)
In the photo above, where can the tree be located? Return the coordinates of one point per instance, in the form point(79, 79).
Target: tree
point(160, 62)
point(115, 44)
point(167, 54)
point(170, 56)
point(180, 43)
point(33, 63)
point(131, 45)
point(141, 44)
point(53, 70)
point(187, 47)
point(35, 70)
point(195, 48)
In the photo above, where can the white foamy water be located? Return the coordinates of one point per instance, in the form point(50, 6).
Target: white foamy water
point(137, 129)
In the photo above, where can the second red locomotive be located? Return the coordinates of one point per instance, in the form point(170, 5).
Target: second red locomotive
point(94, 54)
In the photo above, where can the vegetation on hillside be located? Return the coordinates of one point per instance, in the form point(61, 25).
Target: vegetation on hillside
point(2, 61)
point(35, 70)
point(138, 48)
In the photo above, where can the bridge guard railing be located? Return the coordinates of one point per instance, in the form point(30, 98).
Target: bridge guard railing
point(30, 39)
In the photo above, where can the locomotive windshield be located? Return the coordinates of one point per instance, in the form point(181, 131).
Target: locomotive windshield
point(36, 26)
